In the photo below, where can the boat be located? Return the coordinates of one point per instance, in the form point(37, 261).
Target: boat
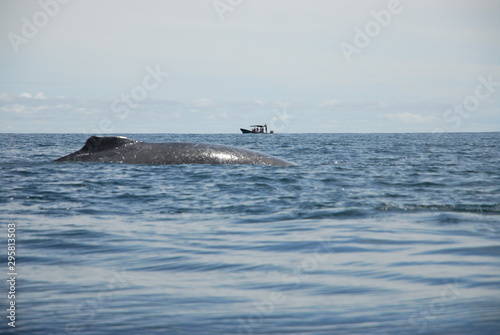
point(257, 129)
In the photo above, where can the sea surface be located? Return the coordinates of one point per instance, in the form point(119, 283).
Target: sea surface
point(369, 234)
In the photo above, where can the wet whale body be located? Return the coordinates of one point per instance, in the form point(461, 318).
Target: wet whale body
point(118, 149)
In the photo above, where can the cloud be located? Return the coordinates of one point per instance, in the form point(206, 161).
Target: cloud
point(5, 97)
point(40, 96)
point(410, 118)
point(13, 108)
point(331, 103)
point(380, 105)
point(204, 102)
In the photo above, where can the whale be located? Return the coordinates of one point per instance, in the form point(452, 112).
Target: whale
point(119, 149)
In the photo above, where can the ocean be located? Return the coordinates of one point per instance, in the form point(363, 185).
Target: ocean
point(369, 234)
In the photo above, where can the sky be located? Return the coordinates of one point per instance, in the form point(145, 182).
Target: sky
point(214, 66)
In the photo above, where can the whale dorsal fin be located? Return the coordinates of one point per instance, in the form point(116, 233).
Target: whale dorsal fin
point(99, 143)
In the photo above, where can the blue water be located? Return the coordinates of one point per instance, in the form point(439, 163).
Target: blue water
point(370, 234)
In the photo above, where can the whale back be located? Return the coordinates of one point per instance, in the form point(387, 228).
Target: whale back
point(117, 149)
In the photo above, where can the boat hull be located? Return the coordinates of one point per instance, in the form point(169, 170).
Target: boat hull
point(246, 131)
